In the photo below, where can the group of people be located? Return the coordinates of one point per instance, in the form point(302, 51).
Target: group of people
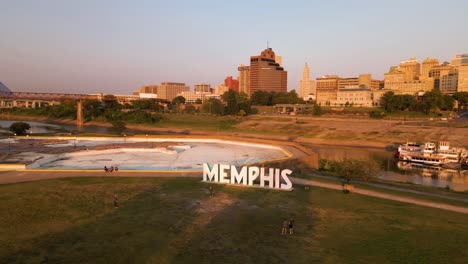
point(288, 227)
point(111, 169)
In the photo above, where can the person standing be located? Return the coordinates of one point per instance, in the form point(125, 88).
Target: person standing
point(291, 226)
point(284, 229)
point(211, 190)
point(116, 201)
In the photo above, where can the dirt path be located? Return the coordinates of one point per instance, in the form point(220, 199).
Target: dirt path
point(398, 198)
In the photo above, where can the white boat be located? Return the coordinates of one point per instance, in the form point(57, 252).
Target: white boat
point(431, 153)
point(410, 148)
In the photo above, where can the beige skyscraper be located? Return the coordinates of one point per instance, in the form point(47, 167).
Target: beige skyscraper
point(244, 79)
point(306, 86)
point(459, 60)
point(169, 90)
point(427, 65)
point(411, 68)
point(463, 78)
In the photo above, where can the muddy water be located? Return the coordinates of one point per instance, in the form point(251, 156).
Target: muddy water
point(395, 170)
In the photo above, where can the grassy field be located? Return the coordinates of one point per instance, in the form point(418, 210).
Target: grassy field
point(175, 221)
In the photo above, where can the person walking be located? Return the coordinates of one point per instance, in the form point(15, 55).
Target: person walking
point(284, 229)
point(116, 201)
point(210, 189)
point(291, 226)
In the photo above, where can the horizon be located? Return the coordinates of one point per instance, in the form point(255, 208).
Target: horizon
point(117, 47)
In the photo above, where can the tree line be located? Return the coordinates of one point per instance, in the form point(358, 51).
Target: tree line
point(432, 101)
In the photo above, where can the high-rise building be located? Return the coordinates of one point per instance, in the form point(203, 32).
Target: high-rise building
point(459, 60)
point(462, 78)
point(231, 83)
point(150, 89)
point(202, 87)
point(306, 86)
point(427, 65)
point(244, 79)
point(265, 74)
point(448, 84)
point(411, 68)
point(169, 90)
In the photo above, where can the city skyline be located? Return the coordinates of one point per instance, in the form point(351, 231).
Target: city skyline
point(116, 47)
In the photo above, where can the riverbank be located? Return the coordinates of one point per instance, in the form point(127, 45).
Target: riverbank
point(302, 129)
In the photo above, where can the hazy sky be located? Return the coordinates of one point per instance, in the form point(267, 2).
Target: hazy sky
point(113, 46)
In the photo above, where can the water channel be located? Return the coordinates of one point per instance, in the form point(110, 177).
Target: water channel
point(394, 170)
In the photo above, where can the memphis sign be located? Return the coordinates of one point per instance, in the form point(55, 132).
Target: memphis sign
point(229, 174)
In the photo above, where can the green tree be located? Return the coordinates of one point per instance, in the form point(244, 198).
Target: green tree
point(190, 109)
point(262, 98)
point(178, 100)
point(387, 101)
point(213, 106)
point(19, 128)
point(462, 99)
point(118, 127)
point(92, 109)
point(198, 101)
point(354, 169)
point(317, 110)
point(231, 99)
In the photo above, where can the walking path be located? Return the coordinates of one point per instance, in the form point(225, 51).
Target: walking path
point(393, 197)
point(400, 189)
point(25, 176)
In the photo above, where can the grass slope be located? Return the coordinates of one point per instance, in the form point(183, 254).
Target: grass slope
point(175, 221)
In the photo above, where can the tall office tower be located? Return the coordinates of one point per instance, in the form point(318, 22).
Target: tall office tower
point(202, 87)
point(244, 79)
point(266, 75)
point(279, 60)
point(169, 90)
point(411, 68)
point(459, 60)
point(306, 86)
point(463, 78)
point(427, 65)
point(231, 83)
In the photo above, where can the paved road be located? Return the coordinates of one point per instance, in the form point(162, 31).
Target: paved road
point(25, 176)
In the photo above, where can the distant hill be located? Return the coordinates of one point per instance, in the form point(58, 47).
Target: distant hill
point(4, 89)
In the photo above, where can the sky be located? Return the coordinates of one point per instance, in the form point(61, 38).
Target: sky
point(115, 46)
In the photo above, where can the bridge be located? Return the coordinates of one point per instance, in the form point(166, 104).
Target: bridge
point(10, 99)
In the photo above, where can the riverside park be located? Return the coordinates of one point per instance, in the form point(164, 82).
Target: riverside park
point(57, 203)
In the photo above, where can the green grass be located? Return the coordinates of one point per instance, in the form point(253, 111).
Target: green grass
point(174, 221)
